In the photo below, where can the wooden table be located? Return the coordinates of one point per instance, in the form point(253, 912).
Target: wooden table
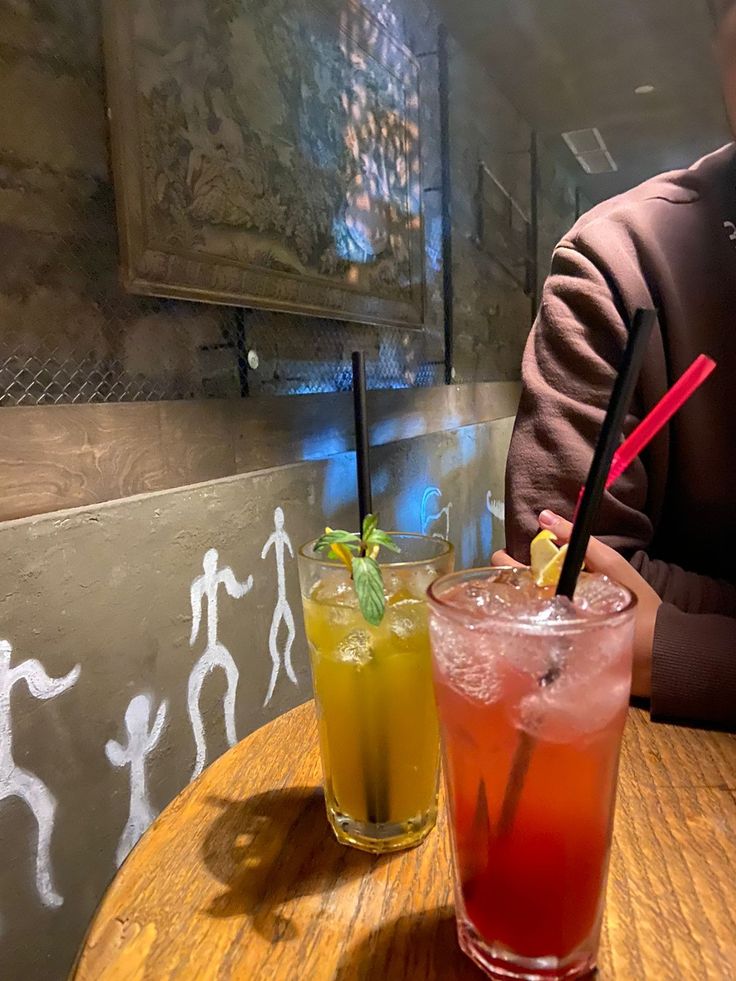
point(240, 878)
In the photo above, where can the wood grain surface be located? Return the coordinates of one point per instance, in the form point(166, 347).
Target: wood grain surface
point(67, 456)
point(240, 877)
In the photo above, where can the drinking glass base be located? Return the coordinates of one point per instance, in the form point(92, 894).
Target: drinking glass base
point(381, 838)
point(503, 965)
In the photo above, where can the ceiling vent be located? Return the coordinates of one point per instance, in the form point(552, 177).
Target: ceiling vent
point(590, 151)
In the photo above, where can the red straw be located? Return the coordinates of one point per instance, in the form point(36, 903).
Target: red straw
point(660, 415)
point(658, 418)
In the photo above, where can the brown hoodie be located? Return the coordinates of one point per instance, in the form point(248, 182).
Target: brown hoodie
point(669, 244)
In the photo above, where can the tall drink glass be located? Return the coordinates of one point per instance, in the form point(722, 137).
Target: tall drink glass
point(376, 712)
point(532, 693)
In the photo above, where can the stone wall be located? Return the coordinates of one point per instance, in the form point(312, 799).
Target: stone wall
point(68, 332)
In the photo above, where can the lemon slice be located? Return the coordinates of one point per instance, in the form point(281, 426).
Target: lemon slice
point(547, 559)
point(550, 574)
point(543, 551)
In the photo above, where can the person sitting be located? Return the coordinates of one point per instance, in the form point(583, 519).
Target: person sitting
point(667, 528)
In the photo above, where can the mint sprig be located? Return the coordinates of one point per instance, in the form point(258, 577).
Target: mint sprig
point(369, 587)
point(359, 554)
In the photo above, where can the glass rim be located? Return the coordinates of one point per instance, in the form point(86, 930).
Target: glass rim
point(551, 626)
point(447, 549)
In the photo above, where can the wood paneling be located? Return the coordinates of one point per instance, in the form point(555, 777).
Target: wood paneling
point(240, 877)
point(66, 456)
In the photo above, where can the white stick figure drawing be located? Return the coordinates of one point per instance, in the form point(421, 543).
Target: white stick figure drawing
point(216, 655)
point(141, 742)
point(15, 782)
point(429, 517)
point(497, 508)
point(279, 542)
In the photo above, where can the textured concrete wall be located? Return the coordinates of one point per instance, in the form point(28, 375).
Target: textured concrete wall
point(66, 328)
point(59, 299)
point(103, 593)
point(492, 314)
point(557, 210)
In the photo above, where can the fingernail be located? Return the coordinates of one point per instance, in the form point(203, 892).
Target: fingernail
point(548, 519)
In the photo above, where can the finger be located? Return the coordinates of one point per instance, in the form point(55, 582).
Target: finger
point(598, 558)
point(503, 559)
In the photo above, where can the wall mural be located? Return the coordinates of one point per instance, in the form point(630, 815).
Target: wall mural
point(176, 664)
point(216, 655)
point(141, 743)
point(266, 154)
point(279, 541)
point(16, 782)
point(496, 508)
point(433, 517)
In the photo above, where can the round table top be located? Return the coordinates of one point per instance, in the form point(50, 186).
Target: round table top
point(240, 876)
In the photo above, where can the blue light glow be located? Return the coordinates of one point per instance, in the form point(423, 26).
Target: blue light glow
point(407, 503)
point(433, 242)
point(337, 377)
point(339, 488)
point(348, 244)
point(468, 545)
point(390, 430)
point(486, 538)
point(322, 445)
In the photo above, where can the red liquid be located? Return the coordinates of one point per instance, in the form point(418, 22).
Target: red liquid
point(537, 887)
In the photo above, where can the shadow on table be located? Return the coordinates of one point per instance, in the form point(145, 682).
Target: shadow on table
point(423, 946)
point(272, 848)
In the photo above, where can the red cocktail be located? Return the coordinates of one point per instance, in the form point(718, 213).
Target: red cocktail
point(533, 694)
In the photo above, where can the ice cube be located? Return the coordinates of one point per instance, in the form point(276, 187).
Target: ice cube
point(466, 663)
point(335, 589)
point(355, 648)
point(421, 579)
point(406, 618)
point(392, 583)
point(534, 656)
point(600, 596)
point(565, 710)
point(509, 577)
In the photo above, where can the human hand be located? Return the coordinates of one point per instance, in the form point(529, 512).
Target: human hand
point(606, 561)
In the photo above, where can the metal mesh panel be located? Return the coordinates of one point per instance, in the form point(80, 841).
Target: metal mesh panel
point(314, 356)
point(222, 367)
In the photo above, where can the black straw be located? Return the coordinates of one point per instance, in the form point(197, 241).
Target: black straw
point(608, 440)
point(365, 497)
point(374, 754)
point(607, 445)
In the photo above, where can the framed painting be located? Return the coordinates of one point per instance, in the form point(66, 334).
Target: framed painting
point(266, 154)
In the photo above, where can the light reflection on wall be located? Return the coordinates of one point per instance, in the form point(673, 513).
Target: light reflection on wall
point(380, 242)
point(380, 135)
point(401, 496)
point(433, 243)
point(336, 377)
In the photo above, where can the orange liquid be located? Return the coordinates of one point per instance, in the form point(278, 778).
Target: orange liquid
point(537, 887)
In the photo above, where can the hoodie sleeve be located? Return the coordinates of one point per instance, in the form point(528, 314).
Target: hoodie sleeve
point(694, 668)
point(568, 371)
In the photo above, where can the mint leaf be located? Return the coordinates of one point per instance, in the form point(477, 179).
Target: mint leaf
point(347, 538)
point(369, 587)
point(370, 523)
point(382, 539)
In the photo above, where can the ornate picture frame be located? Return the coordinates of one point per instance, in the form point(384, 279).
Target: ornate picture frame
point(266, 154)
